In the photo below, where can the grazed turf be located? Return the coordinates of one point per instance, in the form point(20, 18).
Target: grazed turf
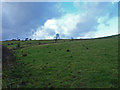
point(69, 64)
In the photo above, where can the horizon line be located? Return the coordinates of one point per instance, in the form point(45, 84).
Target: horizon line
point(62, 38)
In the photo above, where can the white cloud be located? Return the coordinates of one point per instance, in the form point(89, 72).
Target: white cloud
point(64, 26)
point(107, 30)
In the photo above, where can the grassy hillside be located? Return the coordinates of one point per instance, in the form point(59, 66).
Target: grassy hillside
point(66, 64)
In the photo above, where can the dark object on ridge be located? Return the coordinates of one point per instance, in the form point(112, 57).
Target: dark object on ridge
point(26, 39)
point(30, 39)
point(13, 40)
point(24, 55)
point(57, 37)
point(18, 39)
point(68, 50)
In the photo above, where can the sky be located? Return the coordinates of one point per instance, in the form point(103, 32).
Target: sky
point(43, 20)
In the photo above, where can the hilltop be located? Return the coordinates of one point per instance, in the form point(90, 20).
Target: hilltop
point(89, 63)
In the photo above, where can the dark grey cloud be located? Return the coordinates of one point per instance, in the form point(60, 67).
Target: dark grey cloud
point(19, 18)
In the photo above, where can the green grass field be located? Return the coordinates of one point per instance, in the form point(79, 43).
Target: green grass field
point(65, 64)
